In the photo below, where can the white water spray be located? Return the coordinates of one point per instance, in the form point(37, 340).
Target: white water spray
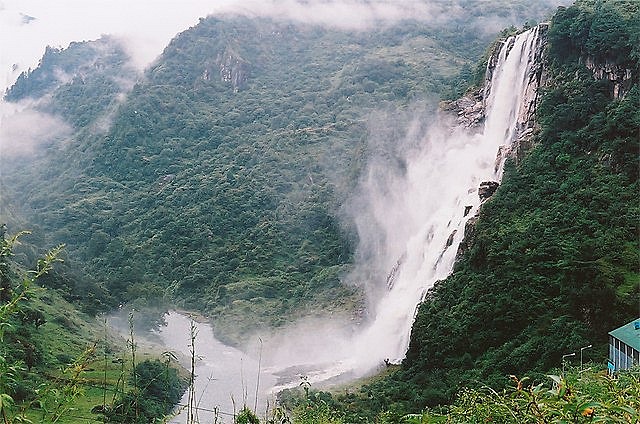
point(440, 183)
point(423, 213)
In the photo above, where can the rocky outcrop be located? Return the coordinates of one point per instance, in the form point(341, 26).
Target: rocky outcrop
point(231, 67)
point(467, 240)
point(487, 189)
point(450, 239)
point(517, 149)
point(468, 110)
point(620, 76)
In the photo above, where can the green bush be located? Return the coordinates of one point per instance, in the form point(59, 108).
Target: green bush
point(157, 388)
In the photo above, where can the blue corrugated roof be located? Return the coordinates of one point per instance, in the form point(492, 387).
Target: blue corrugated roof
point(629, 334)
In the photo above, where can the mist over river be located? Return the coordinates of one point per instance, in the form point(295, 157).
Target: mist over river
point(226, 378)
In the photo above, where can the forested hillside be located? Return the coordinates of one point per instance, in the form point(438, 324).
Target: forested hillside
point(217, 181)
point(552, 264)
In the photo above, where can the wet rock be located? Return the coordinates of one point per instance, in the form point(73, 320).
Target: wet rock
point(469, 109)
point(467, 240)
point(486, 189)
point(450, 240)
point(232, 68)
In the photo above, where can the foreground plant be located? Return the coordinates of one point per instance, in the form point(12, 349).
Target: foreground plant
point(580, 398)
point(11, 297)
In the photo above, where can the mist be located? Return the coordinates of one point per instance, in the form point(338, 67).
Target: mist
point(411, 211)
point(28, 26)
point(28, 130)
point(421, 174)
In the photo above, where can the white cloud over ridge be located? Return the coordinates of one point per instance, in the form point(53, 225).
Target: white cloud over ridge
point(148, 25)
point(145, 27)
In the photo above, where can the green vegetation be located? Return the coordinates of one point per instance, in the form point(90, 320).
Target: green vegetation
point(219, 182)
point(24, 355)
point(51, 369)
point(157, 387)
point(218, 186)
point(582, 396)
point(96, 70)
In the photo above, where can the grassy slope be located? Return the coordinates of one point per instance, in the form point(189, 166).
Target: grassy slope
point(81, 360)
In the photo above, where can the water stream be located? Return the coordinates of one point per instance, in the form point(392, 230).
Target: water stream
point(226, 378)
point(440, 182)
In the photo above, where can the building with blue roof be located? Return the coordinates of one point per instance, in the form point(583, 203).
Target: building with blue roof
point(624, 346)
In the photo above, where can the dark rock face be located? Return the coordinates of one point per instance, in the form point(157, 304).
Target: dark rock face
point(620, 76)
point(233, 69)
point(469, 109)
point(467, 240)
point(486, 189)
point(450, 239)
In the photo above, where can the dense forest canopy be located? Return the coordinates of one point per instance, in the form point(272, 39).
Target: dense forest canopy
point(216, 180)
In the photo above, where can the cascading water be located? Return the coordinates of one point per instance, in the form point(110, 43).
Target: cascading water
point(423, 213)
point(440, 188)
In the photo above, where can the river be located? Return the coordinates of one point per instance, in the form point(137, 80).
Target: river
point(226, 378)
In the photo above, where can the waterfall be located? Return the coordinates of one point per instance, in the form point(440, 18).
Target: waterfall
point(420, 216)
point(441, 182)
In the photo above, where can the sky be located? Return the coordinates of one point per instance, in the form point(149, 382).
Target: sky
point(147, 25)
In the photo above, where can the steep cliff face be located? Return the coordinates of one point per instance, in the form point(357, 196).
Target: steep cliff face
point(535, 79)
point(230, 67)
point(470, 110)
point(551, 262)
point(620, 76)
point(233, 69)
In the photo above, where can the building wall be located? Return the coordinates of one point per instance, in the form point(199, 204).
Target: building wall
point(622, 355)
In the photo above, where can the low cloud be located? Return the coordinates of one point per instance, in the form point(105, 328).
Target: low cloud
point(147, 26)
point(345, 14)
point(366, 14)
point(24, 130)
